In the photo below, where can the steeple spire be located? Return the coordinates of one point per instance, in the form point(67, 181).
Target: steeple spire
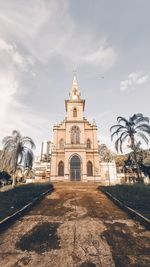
point(75, 83)
point(75, 94)
point(75, 101)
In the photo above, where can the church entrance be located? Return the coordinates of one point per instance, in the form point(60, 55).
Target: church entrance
point(75, 168)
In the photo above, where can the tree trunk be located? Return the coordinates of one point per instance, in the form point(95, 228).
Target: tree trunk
point(13, 180)
point(138, 172)
point(139, 178)
point(15, 172)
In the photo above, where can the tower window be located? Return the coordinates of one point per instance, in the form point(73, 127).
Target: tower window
point(88, 144)
point(89, 168)
point(61, 144)
point(61, 168)
point(74, 112)
point(75, 135)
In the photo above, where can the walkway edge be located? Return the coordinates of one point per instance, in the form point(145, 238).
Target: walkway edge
point(12, 218)
point(134, 214)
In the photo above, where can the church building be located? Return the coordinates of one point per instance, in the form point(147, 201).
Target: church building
point(75, 155)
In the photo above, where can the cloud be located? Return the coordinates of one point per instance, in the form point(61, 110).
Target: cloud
point(12, 67)
point(142, 79)
point(134, 79)
point(31, 38)
point(8, 87)
point(15, 57)
point(54, 33)
point(103, 55)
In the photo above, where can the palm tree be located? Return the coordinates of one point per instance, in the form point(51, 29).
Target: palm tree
point(16, 153)
point(137, 126)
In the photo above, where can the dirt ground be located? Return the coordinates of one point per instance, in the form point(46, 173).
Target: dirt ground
point(75, 226)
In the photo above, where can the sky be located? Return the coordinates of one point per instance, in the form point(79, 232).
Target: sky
point(42, 43)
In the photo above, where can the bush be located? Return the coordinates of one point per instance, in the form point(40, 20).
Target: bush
point(5, 178)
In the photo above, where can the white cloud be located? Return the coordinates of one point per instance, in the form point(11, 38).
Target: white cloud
point(8, 87)
point(142, 79)
point(32, 35)
point(47, 29)
point(15, 57)
point(134, 79)
point(5, 46)
point(12, 66)
point(104, 56)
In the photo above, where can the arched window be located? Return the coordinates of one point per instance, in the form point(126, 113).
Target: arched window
point(75, 112)
point(88, 144)
point(75, 168)
point(75, 135)
point(61, 144)
point(61, 168)
point(89, 168)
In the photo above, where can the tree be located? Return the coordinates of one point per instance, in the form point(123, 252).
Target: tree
point(120, 160)
point(105, 154)
point(143, 156)
point(129, 130)
point(16, 153)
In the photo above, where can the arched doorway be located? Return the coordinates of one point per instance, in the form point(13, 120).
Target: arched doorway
point(75, 168)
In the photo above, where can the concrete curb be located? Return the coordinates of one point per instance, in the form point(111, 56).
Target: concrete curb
point(5, 223)
point(134, 214)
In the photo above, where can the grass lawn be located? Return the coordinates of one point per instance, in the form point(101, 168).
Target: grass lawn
point(15, 199)
point(135, 196)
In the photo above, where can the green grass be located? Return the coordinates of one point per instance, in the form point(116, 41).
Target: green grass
point(15, 199)
point(135, 196)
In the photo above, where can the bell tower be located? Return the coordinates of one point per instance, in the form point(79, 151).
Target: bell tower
point(75, 154)
point(75, 105)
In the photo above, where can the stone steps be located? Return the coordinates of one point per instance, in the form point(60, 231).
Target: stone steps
point(76, 185)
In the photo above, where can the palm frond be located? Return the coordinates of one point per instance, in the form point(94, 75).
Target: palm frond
point(120, 129)
point(117, 144)
point(29, 158)
point(143, 127)
point(142, 119)
point(119, 119)
point(122, 139)
point(28, 140)
point(16, 133)
point(143, 136)
point(114, 127)
point(21, 156)
point(9, 144)
point(7, 139)
point(136, 116)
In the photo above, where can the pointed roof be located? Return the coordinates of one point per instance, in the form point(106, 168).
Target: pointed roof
point(75, 91)
point(75, 94)
point(74, 82)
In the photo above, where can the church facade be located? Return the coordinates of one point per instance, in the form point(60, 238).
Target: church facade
point(75, 155)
